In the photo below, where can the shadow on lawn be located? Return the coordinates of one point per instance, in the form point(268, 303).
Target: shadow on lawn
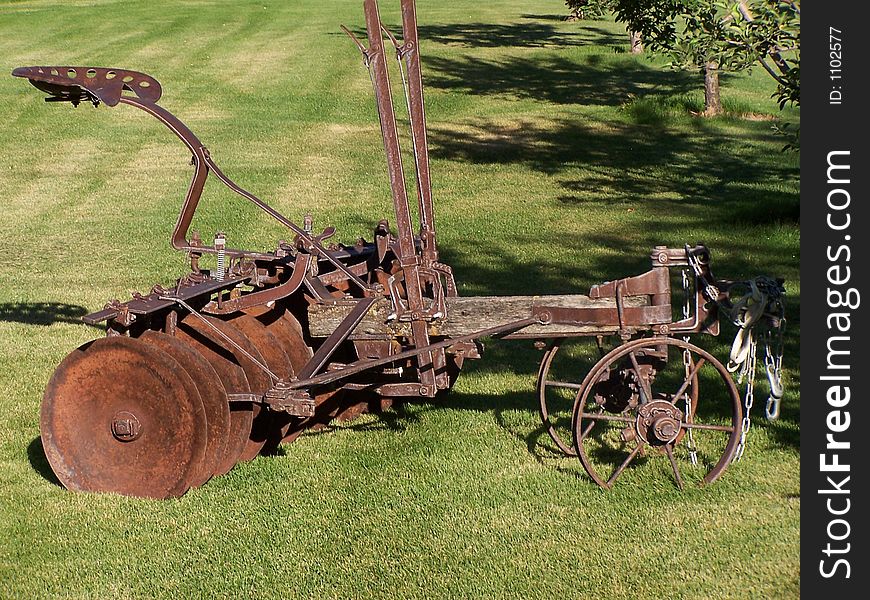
point(663, 170)
point(41, 313)
point(36, 456)
point(560, 18)
point(507, 35)
point(519, 35)
point(557, 79)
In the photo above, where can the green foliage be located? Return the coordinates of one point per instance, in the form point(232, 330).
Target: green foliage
point(586, 9)
point(734, 35)
point(769, 31)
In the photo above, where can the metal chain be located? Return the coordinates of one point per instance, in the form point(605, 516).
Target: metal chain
point(768, 308)
point(710, 291)
point(690, 439)
point(747, 371)
point(687, 366)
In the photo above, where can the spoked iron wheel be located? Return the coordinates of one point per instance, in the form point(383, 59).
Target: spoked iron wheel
point(559, 380)
point(122, 416)
point(685, 413)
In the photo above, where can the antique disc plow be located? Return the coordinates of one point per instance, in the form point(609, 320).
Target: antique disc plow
point(230, 361)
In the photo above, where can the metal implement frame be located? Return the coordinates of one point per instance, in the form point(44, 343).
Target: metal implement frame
point(408, 351)
point(416, 257)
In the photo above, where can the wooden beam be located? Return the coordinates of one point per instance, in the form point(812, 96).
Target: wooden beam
point(466, 315)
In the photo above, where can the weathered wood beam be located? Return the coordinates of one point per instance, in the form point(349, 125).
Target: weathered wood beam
point(467, 315)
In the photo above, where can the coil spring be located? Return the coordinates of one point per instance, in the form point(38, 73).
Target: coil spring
point(220, 244)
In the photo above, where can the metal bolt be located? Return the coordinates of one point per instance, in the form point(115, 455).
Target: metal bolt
point(666, 429)
point(126, 427)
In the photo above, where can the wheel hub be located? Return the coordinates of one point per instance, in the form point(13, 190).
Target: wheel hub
point(125, 426)
point(658, 422)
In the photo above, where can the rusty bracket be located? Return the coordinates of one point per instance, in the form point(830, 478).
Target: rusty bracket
point(541, 317)
point(296, 403)
point(630, 317)
point(651, 283)
point(269, 295)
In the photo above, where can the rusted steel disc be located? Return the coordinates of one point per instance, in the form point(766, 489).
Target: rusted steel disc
point(266, 343)
point(286, 328)
point(116, 417)
point(279, 423)
point(259, 381)
point(212, 393)
point(213, 348)
point(269, 424)
point(327, 400)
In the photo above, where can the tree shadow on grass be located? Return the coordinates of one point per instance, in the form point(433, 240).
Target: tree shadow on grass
point(506, 35)
point(518, 35)
point(620, 161)
point(541, 17)
point(39, 462)
point(557, 79)
point(41, 313)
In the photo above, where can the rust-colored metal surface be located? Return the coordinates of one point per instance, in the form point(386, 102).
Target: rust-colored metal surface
point(252, 362)
point(232, 376)
point(212, 393)
point(116, 417)
point(285, 328)
point(249, 348)
point(268, 426)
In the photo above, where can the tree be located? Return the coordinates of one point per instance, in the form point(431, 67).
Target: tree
point(769, 33)
point(580, 10)
point(595, 9)
point(722, 35)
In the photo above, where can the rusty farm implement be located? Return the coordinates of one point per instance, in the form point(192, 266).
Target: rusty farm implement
point(230, 361)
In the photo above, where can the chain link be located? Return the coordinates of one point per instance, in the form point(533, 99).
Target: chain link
point(690, 438)
point(762, 305)
point(687, 366)
point(773, 352)
point(710, 291)
point(747, 371)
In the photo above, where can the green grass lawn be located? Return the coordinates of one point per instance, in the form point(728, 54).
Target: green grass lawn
point(558, 160)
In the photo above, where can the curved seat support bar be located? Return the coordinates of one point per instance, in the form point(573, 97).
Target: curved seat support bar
point(122, 86)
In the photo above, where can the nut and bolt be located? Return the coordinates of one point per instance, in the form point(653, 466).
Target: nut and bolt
point(125, 426)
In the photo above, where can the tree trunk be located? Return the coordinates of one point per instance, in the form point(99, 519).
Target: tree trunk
point(712, 98)
point(636, 42)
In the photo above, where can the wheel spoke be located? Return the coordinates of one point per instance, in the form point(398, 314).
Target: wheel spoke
point(587, 430)
point(563, 384)
point(670, 452)
point(689, 378)
point(701, 426)
point(640, 379)
point(624, 464)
